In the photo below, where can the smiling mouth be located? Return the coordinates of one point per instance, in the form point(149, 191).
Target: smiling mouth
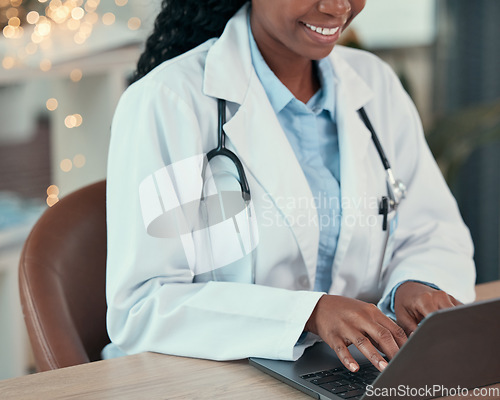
point(323, 31)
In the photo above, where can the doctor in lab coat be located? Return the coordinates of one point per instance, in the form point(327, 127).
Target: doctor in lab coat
point(154, 300)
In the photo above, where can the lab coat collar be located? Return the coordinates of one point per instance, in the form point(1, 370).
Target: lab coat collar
point(228, 66)
point(263, 147)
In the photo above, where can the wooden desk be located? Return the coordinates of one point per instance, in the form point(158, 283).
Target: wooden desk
point(155, 376)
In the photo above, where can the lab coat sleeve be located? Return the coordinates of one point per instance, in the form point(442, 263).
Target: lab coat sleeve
point(153, 305)
point(432, 244)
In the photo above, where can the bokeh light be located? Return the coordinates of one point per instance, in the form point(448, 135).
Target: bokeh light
point(66, 165)
point(8, 62)
point(108, 18)
point(52, 190)
point(51, 200)
point(70, 121)
point(52, 104)
point(77, 13)
point(79, 160)
point(134, 23)
point(11, 12)
point(78, 120)
point(45, 65)
point(32, 17)
point(76, 75)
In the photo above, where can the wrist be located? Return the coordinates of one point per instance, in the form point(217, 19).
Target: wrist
point(311, 325)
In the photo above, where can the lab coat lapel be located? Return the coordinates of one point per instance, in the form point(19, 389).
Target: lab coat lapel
point(262, 146)
point(256, 135)
point(354, 140)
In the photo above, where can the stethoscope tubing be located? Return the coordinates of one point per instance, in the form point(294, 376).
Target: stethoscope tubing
point(221, 150)
point(375, 139)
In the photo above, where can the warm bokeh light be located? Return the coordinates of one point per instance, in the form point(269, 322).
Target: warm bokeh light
point(79, 160)
point(52, 104)
point(73, 18)
point(70, 121)
point(77, 13)
point(51, 200)
point(43, 27)
point(78, 120)
point(14, 21)
point(108, 18)
point(8, 62)
point(45, 65)
point(52, 190)
point(12, 12)
point(12, 32)
point(134, 23)
point(36, 38)
point(91, 5)
point(66, 165)
point(73, 121)
point(32, 17)
point(76, 75)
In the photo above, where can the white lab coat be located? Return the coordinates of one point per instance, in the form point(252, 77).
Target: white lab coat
point(171, 115)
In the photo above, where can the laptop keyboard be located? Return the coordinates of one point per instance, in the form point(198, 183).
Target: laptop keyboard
point(343, 383)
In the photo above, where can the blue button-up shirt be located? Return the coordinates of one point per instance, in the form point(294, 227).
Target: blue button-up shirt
point(311, 130)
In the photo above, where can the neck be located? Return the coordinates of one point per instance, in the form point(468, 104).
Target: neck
point(297, 73)
point(299, 76)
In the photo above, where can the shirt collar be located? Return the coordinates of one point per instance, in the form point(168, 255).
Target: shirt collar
point(280, 96)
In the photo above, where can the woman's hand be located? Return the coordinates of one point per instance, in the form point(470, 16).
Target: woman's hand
point(342, 321)
point(414, 301)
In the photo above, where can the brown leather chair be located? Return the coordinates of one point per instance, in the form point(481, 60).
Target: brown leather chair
point(62, 280)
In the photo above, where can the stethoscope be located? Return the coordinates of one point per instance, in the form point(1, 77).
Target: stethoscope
point(396, 189)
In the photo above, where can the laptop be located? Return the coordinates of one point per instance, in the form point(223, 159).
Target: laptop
point(450, 353)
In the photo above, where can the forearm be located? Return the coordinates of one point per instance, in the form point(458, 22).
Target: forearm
point(217, 320)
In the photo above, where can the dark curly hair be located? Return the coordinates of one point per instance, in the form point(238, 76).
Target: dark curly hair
point(182, 25)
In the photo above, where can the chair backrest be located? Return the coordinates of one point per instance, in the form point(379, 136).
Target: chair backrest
point(62, 274)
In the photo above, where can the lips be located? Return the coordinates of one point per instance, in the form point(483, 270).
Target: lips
point(323, 30)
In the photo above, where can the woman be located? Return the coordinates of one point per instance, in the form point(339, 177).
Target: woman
point(292, 119)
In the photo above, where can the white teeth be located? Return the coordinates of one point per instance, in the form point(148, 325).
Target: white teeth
point(323, 31)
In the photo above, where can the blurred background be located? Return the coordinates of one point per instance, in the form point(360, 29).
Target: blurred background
point(65, 63)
